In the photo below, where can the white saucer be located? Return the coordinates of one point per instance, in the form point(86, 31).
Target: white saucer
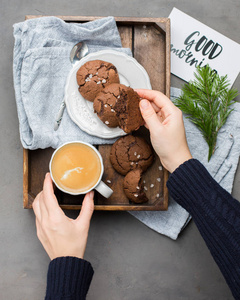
point(80, 110)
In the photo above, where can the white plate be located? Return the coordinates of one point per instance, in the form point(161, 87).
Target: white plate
point(80, 110)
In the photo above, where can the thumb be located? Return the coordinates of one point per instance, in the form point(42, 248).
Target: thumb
point(149, 115)
point(87, 209)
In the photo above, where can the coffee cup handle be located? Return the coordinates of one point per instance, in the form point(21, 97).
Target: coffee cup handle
point(104, 190)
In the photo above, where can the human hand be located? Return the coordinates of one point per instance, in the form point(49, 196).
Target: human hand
point(60, 235)
point(165, 123)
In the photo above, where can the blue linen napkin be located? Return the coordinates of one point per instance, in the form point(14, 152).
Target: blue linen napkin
point(40, 68)
point(222, 167)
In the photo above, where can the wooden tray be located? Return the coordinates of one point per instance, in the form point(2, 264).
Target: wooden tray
point(149, 40)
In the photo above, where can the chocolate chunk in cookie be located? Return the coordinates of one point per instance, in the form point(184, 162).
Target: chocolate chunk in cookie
point(129, 153)
point(119, 104)
point(133, 186)
point(94, 76)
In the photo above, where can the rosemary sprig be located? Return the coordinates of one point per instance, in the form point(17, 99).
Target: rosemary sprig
point(206, 101)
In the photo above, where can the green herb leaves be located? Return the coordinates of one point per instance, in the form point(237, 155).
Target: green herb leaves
point(207, 103)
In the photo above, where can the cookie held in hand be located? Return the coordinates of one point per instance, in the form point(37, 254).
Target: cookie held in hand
point(118, 105)
point(133, 186)
point(94, 76)
point(129, 153)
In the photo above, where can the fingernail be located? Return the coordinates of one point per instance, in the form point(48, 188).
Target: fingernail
point(91, 194)
point(144, 104)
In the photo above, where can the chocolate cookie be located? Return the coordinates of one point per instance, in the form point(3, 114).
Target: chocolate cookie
point(118, 105)
point(94, 76)
point(133, 186)
point(129, 153)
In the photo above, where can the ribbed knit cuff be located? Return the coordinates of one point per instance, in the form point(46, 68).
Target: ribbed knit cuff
point(68, 278)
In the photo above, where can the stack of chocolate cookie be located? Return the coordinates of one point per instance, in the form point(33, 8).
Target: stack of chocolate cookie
point(131, 156)
point(115, 104)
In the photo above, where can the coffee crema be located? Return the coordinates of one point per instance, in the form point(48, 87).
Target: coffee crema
point(76, 168)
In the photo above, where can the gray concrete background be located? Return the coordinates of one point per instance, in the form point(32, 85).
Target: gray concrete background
point(130, 260)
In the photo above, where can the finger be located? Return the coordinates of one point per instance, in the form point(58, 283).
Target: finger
point(49, 198)
point(146, 126)
point(155, 107)
point(161, 100)
point(149, 115)
point(87, 209)
point(157, 110)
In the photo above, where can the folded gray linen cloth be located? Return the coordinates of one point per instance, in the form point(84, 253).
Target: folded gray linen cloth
point(40, 68)
point(222, 166)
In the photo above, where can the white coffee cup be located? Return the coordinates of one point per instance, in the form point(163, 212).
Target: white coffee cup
point(77, 168)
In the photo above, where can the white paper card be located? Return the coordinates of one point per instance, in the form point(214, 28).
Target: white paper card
point(195, 44)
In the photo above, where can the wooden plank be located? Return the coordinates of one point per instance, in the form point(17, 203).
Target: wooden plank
point(120, 20)
point(25, 178)
point(166, 28)
point(126, 33)
point(168, 57)
point(38, 167)
point(150, 52)
point(113, 207)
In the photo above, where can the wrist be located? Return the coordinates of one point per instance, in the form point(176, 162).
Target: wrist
point(172, 164)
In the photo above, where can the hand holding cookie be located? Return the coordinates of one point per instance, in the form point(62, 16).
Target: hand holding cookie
point(165, 123)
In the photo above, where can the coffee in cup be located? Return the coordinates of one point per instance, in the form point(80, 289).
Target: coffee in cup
point(77, 168)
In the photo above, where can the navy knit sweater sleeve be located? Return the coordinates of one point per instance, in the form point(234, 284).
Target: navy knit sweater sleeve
point(216, 214)
point(68, 278)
